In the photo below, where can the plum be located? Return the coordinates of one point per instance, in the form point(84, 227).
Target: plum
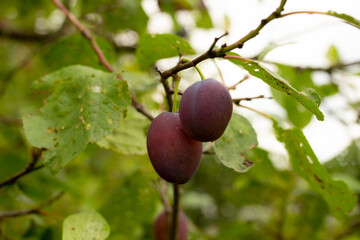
point(162, 227)
point(174, 155)
point(205, 110)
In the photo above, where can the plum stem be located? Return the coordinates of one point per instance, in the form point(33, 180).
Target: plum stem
point(175, 209)
point(185, 60)
point(175, 212)
point(176, 89)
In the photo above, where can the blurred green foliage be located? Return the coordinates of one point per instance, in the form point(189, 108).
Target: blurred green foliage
point(267, 202)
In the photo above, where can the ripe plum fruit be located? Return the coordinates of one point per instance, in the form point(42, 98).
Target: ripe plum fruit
point(205, 110)
point(174, 155)
point(162, 227)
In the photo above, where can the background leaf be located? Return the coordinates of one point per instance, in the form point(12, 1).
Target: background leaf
point(85, 225)
point(238, 138)
point(130, 137)
point(340, 199)
point(139, 82)
point(333, 55)
point(117, 15)
point(134, 201)
point(152, 47)
point(86, 105)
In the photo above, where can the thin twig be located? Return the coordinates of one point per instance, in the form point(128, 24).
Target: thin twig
point(102, 59)
point(353, 227)
point(246, 77)
point(36, 155)
point(329, 69)
point(22, 35)
point(85, 33)
point(5, 120)
point(161, 188)
point(219, 71)
point(304, 12)
point(215, 41)
point(238, 100)
point(254, 110)
point(35, 210)
point(140, 108)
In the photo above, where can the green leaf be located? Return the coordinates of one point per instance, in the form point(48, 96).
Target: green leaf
point(238, 138)
point(340, 199)
point(268, 49)
point(333, 55)
point(348, 161)
point(296, 113)
point(313, 95)
point(75, 49)
point(348, 19)
point(203, 19)
point(139, 82)
point(129, 138)
point(152, 47)
point(310, 219)
point(85, 225)
point(129, 14)
point(134, 201)
point(277, 82)
point(116, 15)
point(85, 106)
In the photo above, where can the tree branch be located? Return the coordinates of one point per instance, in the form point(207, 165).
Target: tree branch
point(5, 120)
point(254, 110)
point(238, 100)
point(36, 210)
point(221, 52)
point(29, 36)
point(161, 188)
point(85, 33)
point(21, 35)
point(353, 227)
point(36, 155)
point(102, 59)
point(329, 69)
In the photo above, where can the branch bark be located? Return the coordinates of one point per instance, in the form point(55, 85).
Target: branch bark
point(22, 35)
point(35, 210)
point(11, 121)
point(31, 167)
point(221, 52)
point(238, 100)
